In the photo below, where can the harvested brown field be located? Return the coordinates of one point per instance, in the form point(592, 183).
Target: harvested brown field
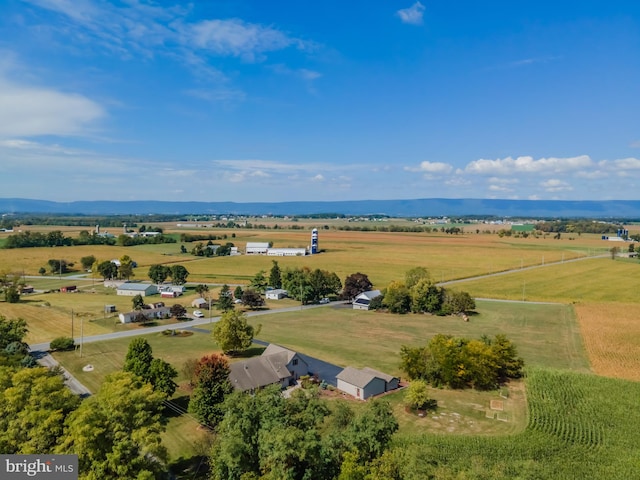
point(611, 333)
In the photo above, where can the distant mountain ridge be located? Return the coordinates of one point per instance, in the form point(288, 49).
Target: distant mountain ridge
point(426, 207)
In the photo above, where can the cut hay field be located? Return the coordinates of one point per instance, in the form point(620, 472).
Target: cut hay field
point(386, 256)
point(611, 334)
point(594, 280)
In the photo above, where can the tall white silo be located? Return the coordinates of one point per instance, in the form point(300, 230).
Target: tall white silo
point(314, 241)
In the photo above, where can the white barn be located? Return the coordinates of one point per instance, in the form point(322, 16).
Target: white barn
point(257, 248)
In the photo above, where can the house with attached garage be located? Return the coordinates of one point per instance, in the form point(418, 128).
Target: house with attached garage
point(276, 366)
point(366, 382)
point(362, 301)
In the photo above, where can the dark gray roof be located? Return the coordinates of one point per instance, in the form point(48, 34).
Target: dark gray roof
point(362, 378)
point(137, 287)
point(258, 372)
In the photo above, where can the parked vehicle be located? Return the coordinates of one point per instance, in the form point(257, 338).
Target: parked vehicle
point(198, 313)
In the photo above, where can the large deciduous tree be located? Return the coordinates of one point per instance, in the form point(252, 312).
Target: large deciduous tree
point(158, 373)
point(397, 298)
point(252, 299)
point(232, 333)
point(179, 274)
point(108, 270)
point(34, 403)
point(259, 282)
point(355, 284)
point(159, 273)
point(211, 387)
point(116, 433)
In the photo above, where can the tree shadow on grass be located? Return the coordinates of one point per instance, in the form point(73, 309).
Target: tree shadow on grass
point(177, 406)
point(195, 467)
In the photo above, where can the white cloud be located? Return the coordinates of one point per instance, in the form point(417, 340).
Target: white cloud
point(627, 163)
point(412, 15)
point(556, 185)
point(318, 178)
point(526, 164)
point(235, 37)
point(32, 111)
point(500, 188)
point(431, 168)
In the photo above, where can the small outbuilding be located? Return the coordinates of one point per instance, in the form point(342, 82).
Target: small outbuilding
point(109, 308)
point(200, 303)
point(362, 301)
point(365, 383)
point(69, 289)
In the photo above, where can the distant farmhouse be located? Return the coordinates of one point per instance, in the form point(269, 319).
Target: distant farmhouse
point(276, 366)
point(362, 301)
point(149, 314)
point(276, 294)
point(365, 383)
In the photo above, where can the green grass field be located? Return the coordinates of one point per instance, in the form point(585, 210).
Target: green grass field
point(546, 335)
point(593, 280)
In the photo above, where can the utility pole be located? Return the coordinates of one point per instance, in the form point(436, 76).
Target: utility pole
point(81, 335)
point(72, 323)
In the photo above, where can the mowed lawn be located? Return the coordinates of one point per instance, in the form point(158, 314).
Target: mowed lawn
point(546, 335)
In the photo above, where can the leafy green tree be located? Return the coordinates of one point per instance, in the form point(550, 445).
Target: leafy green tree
point(179, 274)
point(107, 269)
point(177, 311)
point(125, 270)
point(57, 266)
point(259, 282)
point(275, 275)
point(42, 270)
point(117, 432)
point(414, 275)
point(370, 433)
point(161, 375)
point(397, 298)
point(458, 302)
point(34, 403)
point(355, 284)
point(417, 395)
point(202, 289)
point(252, 299)
point(11, 331)
point(237, 293)
point(137, 302)
point(62, 344)
point(11, 294)
point(87, 262)
point(212, 385)
point(159, 273)
point(425, 297)
point(232, 333)
point(225, 300)
point(138, 359)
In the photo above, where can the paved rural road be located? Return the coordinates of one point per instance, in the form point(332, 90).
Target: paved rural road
point(69, 380)
point(40, 350)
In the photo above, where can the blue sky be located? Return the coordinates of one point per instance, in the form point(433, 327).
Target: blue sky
point(299, 100)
